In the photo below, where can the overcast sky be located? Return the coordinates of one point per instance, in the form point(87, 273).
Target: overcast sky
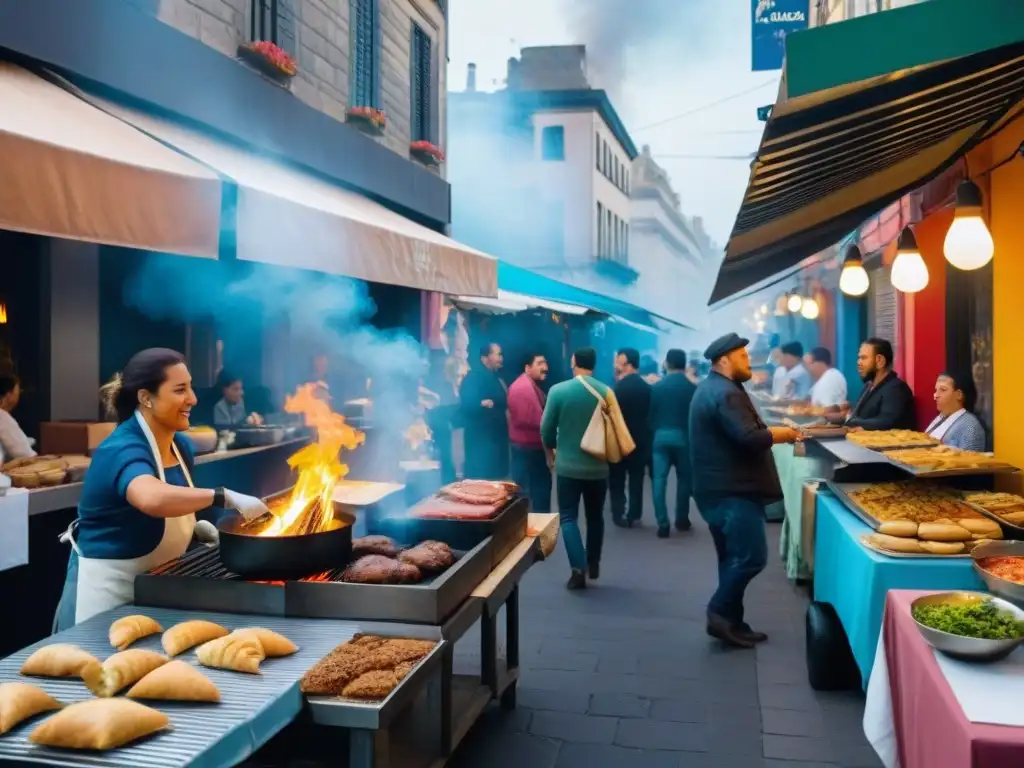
point(670, 57)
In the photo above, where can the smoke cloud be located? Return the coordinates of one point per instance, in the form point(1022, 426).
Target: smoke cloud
point(623, 34)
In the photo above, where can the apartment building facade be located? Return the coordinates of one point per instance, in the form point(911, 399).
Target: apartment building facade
point(832, 11)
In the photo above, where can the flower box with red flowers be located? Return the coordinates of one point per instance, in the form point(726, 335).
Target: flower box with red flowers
point(269, 59)
point(369, 120)
point(426, 153)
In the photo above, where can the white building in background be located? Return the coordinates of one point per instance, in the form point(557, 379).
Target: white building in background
point(543, 176)
point(676, 259)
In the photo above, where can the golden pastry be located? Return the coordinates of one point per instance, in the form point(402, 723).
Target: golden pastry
point(902, 528)
point(274, 645)
point(99, 724)
point(175, 681)
point(121, 670)
point(20, 701)
point(126, 631)
point(189, 634)
point(239, 653)
point(943, 532)
point(895, 543)
point(943, 547)
point(58, 660)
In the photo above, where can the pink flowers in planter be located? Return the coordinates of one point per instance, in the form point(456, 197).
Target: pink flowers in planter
point(368, 119)
point(426, 153)
point(265, 55)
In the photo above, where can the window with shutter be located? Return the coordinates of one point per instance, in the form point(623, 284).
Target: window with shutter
point(365, 53)
point(421, 85)
point(274, 21)
point(597, 151)
point(600, 231)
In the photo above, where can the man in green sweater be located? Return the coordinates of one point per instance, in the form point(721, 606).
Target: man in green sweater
point(578, 475)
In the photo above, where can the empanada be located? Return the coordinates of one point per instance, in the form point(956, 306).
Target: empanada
point(126, 631)
point(189, 634)
point(175, 681)
point(274, 645)
point(121, 670)
point(99, 724)
point(58, 660)
point(240, 653)
point(20, 701)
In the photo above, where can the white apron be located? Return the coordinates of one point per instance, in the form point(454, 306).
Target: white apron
point(940, 426)
point(106, 584)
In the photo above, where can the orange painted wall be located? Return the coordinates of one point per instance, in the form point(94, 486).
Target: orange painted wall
point(924, 318)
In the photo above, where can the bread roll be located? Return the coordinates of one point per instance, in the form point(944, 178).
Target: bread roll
point(126, 631)
point(981, 526)
point(20, 701)
point(239, 653)
point(942, 532)
point(99, 724)
point(943, 547)
point(58, 660)
point(895, 543)
point(274, 645)
point(189, 634)
point(175, 681)
point(906, 529)
point(121, 670)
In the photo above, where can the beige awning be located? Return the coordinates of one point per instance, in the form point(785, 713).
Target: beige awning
point(70, 170)
point(290, 217)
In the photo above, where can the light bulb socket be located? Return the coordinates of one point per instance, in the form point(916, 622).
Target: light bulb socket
point(968, 198)
point(907, 242)
point(853, 257)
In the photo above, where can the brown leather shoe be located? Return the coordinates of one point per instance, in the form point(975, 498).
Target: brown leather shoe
point(722, 629)
point(752, 635)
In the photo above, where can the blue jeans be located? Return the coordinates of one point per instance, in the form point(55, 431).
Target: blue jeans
point(530, 472)
point(592, 492)
point(737, 528)
point(668, 454)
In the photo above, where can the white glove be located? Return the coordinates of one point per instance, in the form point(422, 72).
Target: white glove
point(249, 506)
point(206, 532)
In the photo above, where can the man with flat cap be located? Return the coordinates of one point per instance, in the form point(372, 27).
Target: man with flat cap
point(734, 478)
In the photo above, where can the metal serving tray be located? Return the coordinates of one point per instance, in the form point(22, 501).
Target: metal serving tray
point(842, 491)
point(506, 529)
point(1008, 590)
point(1010, 530)
point(912, 555)
point(891, 455)
point(253, 708)
point(429, 602)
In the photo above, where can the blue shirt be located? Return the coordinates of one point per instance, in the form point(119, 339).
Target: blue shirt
point(798, 382)
point(109, 528)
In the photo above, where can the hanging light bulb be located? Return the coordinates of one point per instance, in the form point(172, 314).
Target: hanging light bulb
point(794, 302)
point(909, 272)
point(810, 309)
point(853, 280)
point(968, 242)
point(764, 309)
point(781, 305)
point(3, 314)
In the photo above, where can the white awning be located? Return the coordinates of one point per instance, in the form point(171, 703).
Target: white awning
point(291, 217)
point(509, 301)
point(70, 170)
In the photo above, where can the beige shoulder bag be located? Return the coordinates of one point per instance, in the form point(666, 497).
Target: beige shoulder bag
point(600, 440)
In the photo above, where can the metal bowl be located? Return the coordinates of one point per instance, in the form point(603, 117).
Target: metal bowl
point(967, 648)
point(1007, 590)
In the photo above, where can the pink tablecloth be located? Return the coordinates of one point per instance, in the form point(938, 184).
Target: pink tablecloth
point(931, 729)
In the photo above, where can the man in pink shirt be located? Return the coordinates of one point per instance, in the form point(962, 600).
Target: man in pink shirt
point(530, 468)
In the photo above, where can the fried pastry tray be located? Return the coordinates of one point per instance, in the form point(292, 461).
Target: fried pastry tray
point(1011, 531)
point(198, 581)
point(842, 492)
point(506, 529)
point(253, 708)
point(892, 456)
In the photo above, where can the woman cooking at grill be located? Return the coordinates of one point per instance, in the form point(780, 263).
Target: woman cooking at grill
point(956, 425)
point(138, 504)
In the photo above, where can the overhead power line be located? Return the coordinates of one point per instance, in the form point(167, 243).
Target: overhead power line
point(704, 107)
point(745, 158)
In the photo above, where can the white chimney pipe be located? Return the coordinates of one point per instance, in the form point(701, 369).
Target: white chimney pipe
point(471, 77)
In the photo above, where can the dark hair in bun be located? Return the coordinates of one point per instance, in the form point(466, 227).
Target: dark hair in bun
point(147, 370)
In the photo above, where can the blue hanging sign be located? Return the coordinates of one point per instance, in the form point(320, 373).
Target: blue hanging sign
point(772, 20)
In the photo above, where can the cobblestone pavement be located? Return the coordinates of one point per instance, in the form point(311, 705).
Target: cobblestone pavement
point(623, 674)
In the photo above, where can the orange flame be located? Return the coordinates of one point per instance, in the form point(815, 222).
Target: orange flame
point(318, 464)
point(417, 434)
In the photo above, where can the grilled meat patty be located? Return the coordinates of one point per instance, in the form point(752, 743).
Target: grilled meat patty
point(429, 556)
point(375, 545)
point(378, 569)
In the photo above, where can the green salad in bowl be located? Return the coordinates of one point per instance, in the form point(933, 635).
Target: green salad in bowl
point(982, 620)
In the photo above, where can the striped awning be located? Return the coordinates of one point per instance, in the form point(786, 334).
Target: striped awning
point(831, 158)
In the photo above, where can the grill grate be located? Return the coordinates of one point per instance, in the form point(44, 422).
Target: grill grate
point(253, 708)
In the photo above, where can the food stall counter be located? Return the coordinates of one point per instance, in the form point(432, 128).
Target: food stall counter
point(854, 580)
point(927, 710)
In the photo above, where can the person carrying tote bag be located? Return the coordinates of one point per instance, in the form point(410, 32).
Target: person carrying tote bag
point(607, 436)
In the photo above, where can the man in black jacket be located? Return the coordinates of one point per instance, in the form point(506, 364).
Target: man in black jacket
point(634, 396)
point(734, 478)
point(483, 409)
point(670, 421)
point(886, 402)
